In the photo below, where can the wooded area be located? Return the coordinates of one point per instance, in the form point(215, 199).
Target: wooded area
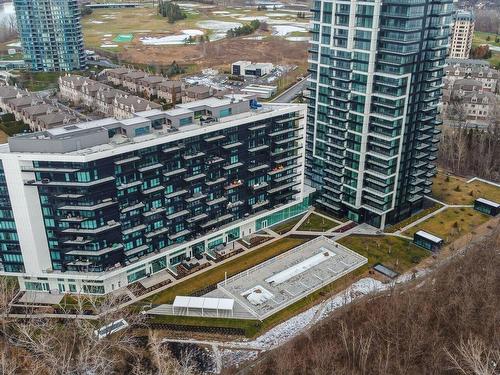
point(470, 151)
point(445, 323)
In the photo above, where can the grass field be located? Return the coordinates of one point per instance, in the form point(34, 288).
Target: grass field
point(451, 223)
point(37, 81)
point(286, 226)
point(454, 190)
point(481, 38)
point(411, 219)
point(317, 223)
point(3, 137)
point(396, 253)
point(232, 267)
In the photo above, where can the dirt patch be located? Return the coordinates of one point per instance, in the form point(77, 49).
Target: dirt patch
point(3, 137)
point(277, 51)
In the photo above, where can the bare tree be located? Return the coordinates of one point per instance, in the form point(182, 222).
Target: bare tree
point(475, 357)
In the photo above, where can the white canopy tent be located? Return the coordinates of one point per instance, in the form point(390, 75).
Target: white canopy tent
point(203, 303)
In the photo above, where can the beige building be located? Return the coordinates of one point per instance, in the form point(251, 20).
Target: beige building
point(462, 34)
point(103, 98)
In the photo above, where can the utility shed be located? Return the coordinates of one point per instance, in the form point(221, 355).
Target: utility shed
point(427, 240)
point(486, 206)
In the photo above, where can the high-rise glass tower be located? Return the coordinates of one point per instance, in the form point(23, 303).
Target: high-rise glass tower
point(376, 75)
point(51, 34)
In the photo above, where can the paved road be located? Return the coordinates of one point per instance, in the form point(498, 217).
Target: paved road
point(292, 92)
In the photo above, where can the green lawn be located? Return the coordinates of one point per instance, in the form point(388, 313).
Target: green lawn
point(453, 190)
point(411, 219)
point(396, 253)
point(38, 81)
point(451, 223)
point(480, 37)
point(232, 267)
point(494, 60)
point(286, 226)
point(317, 223)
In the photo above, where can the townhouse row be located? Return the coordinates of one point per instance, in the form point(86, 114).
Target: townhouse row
point(102, 98)
point(155, 86)
point(33, 110)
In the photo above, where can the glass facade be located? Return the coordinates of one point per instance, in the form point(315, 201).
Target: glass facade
point(114, 210)
point(376, 75)
point(10, 251)
point(51, 34)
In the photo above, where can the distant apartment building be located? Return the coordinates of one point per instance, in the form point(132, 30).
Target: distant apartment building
point(51, 34)
point(102, 98)
point(374, 92)
point(468, 69)
point(100, 205)
point(32, 109)
point(462, 34)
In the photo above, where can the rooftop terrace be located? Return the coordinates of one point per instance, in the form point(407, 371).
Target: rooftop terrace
point(92, 137)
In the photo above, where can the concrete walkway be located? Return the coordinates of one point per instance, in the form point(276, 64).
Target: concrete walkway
point(483, 180)
point(433, 213)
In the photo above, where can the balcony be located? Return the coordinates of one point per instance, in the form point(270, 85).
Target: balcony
point(103, 204)
point(153, 190)
point(232, 145)
point(287, 159)
point(215, 138)
point(216, 201)
point(178, 214)
point(196, 218)
point(258, 148)
point(195, 197)
point(111, 225)
point(194, 177)
point(176, 193)
point(280, 169)
point(214, 160)
point(193, 155)
point(258, 168)
point(150, 167)
point(215, 182)
point(48, 182)
point(234, 184)
point(283, 187)
point(128, 160)
point(260, 185)
point(232, 166)
point(172, 149)
point(216, 221)
point(260, 204)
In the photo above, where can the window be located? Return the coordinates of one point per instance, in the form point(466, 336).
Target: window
point(185, 121)
point(141, 131)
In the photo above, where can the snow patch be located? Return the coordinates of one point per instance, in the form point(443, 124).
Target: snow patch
point(297, 38)
point(283, 30)
point(253, 18)
point(171, 39)
point(221, 26)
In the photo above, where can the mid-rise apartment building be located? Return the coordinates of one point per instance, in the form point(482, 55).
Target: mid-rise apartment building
point(462, 34)
point(376, 76)
point(51, 34)
point(95, 206)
